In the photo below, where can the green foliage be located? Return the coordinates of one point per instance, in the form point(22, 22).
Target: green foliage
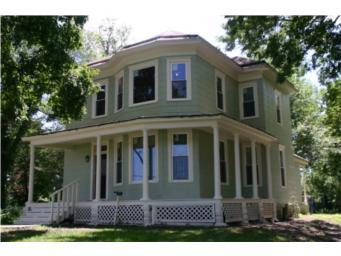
point(39, 74)
point(289, 42)
point(9, 215)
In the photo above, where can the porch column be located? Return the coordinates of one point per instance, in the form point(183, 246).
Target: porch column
point(98, 168)
point(31, 174)
point(254, 170)
point(217, 183)
point(145, 188)
point(268, 169)
point(237, 166)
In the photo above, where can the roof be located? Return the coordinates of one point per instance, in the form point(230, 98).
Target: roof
point(300, 159)
point(243, 62)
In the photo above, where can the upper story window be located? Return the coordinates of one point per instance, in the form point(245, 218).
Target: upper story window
point(179, 79)
point(278, 103)
point(119, 91)
point(223, 162)
point(220, 90)
point(248, 100)
point(248, 166)
point(143, 84)
point(100, 101)
point(282, 165)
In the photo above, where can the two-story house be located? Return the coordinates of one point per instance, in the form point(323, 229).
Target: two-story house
point(179, 133)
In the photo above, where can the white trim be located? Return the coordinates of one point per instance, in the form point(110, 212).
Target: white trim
point(189, 134)
point(254, 87)
point(115, 142)
point(92, 154)
point(104, 82)
point(222, 77)
point(226, 161)
point(258, 161)
point(187, 62)
point(143, 65)
point(118, 76)
point(279, 95)
point(281, 148)
point(130, 170)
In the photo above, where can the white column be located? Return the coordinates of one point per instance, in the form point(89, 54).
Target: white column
point(98, 168)
point(31, 175)
point(237, 166)
point(145, 188)
point(254, 170)
point(217, 183)
point(268, 169)
point(305, 188)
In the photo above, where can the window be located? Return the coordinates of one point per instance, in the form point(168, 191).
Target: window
point(119, 92)
point(104, 171)
point(137, 159)
point(180, 156)
point(100, 101)
point(278, 103)
point(249, 101)
point(220, 90)
point(143, 84)
point(248, 166)
point(118, 162)
point(179, 79)
point(282, 165)
point(223, 163)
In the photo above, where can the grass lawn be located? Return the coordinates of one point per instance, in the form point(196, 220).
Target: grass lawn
point(316, 229)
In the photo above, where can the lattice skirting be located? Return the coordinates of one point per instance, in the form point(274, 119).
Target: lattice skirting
point(127, 214)
point(268, 210)
point(82, 215)
point(232, 212)
point(172, 214)
point(252, 211)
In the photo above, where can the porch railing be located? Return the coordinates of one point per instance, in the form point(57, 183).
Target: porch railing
point(65, 198)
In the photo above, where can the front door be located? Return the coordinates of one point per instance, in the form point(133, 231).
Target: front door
point(103, 182)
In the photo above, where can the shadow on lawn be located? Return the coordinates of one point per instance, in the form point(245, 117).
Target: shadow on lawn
point(15, 235)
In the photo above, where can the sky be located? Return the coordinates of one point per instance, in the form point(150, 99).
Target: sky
point(208, 26)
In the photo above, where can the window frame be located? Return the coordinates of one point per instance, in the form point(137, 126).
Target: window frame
point(281, 148)
point(187, 62)
point(254, 87)
point(258, 162)
point(130, 157)
point(279, 95)
point(148, 64)
point(118, 76)
point(189, 134)
point(222, 77)
point(116, 141)
point(225, 142)
point(104, 82)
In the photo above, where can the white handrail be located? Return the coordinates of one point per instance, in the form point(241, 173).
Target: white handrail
point(65, 201)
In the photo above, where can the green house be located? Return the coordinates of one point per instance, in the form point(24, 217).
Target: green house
point(179, 133)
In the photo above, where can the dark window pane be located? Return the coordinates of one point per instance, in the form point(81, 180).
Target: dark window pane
point(180, 167)
point(103, 175)
point(278, 115)
point(219, 85)
point(94, 177)
point(283, 177)
point(119, 172)
point(220, 102)
point(179, 89)
point(119, 151)
point(119, 94)
point(248, 94)
point(144, 85)
point(249, 174)
point(152, 157)
point(101, 93)
point(249, 109)
point(223, 177)
point(178, 72)
point(222, 150)
point(100, 107)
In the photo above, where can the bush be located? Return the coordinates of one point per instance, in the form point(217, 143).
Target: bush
point(9, 215)
point(304, 209)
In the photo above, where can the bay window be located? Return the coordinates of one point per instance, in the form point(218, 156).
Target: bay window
point(179, 79)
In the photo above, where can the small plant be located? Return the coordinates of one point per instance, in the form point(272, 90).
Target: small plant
point(9, 215)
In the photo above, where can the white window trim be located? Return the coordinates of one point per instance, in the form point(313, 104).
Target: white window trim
point(187, 62)
point(258, 161)
point(222, 77)
point(148, 64)
point(93, 144)
point(116, 141)
point(189, 134)
point(282, 149)
point(277, 93)
point(93, 106)
point(117, 78)
point(227, 162)
point(241, 105)
point(130, 158)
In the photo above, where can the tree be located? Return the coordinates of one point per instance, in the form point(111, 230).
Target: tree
point(289, 42)
point(38, 74)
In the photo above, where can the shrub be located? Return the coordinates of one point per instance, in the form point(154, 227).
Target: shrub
point(9, 215)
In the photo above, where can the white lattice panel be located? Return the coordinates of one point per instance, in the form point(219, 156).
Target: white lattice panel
point(268, 210)
point(252, 211)
point(127, 214)
point(83, 214)
point(184, 214)
point(232, 212)
point(106, 214)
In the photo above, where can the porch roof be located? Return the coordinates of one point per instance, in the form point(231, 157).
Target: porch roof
point(151, 122)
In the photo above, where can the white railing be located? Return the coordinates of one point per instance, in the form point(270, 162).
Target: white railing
point(66, 198)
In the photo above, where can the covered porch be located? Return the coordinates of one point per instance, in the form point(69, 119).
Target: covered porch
point(147, 207)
